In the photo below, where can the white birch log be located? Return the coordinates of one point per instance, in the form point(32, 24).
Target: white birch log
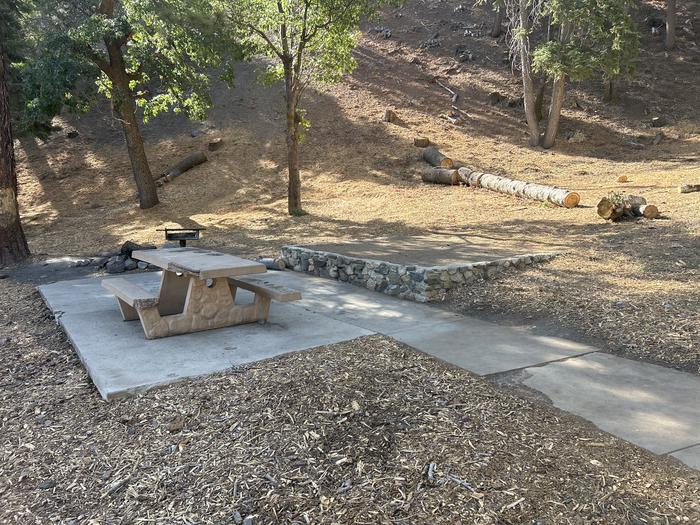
point(520, 188)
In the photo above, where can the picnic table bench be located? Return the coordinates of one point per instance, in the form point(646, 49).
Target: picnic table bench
point(197, 292)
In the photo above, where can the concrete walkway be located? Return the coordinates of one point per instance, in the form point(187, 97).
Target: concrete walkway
point(651, 406)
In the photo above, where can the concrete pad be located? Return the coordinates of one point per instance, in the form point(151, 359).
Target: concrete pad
point(359, 306)
point(120, 361)
point(486, 348)
point(655, 407)
point(439, 248)
point(690, 456)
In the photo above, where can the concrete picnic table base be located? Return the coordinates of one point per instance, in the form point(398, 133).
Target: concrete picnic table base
point(190, 304)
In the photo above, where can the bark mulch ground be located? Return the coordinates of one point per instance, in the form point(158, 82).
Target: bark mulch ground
point(366, 431)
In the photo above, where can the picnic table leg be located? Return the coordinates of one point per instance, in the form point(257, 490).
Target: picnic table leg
point(262, 307)
point(129, 313)
point(173, 293)
point(205, 307)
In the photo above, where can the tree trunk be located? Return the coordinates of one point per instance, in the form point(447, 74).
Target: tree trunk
point(497, 22)
point(539, 101)
point(670, 24)
point(610, 90)
point(558, 92)
point(294, 185)
point(125, 107)
point(528, 89)
point(13, 244)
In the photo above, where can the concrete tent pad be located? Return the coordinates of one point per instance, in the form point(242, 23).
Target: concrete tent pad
point(121, 361)
point(438, 248)
point(652, 406)
point(485, 348)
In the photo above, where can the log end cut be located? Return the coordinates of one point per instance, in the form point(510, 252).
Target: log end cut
point(649, 211)
point(571, 199)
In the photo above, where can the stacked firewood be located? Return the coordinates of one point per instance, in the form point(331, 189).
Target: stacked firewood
point(617, 207)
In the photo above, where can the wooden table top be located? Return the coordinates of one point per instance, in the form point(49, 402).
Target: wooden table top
point(205, 264)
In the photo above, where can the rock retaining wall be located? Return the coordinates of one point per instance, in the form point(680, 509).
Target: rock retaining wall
point(415, 283)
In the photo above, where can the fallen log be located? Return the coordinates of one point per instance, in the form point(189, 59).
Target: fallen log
point(182, 166)
point(440, 176)
point(688, 188)
point(421, 142)
point(519, 188)
point(432, 156)
point(273, 264)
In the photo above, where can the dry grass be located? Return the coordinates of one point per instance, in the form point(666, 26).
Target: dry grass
point(360, 178)
point(366, 431)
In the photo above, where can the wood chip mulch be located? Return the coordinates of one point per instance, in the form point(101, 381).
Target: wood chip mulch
point(364, 432)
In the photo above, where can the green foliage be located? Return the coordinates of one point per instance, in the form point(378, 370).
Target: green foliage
point(166, 45)
point(310, 40)
point(603, 40)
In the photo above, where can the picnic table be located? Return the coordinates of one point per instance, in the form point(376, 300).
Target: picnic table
point(197, 292)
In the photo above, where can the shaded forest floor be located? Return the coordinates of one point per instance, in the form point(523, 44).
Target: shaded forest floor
point(366, 431)
point(633, 286)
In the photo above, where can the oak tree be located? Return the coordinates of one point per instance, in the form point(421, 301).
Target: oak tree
point(308, 41)
point(140, 53)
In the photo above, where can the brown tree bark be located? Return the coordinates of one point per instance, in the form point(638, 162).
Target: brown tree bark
point(670, 24)
point(293, 120)
point(497, 27)
point(610, 90)
point(558, 94)
point(125, 107)
point(13, 244)
point(528, 88)
point(539, 101)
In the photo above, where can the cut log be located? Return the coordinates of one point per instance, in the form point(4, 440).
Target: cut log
point(421, 142)
point(273, 264)
point(647, 210)
point(432, 156)
point(615, 207)
point(185, 164)
point(639, 207)
point(610, 210)
point(441, 176)
point(689, 188)
point(527, 190)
